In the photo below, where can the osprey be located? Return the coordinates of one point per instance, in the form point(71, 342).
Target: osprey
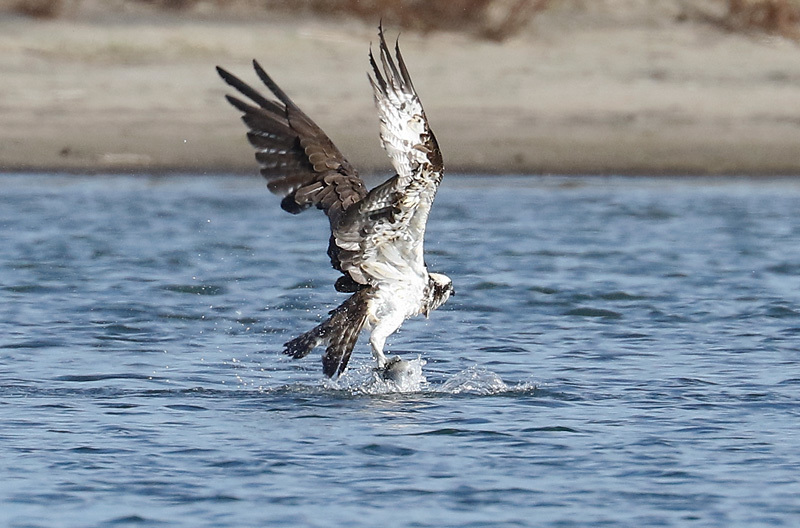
point(376, 236)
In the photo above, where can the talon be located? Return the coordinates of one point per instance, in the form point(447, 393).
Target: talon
point(383, 362)
point(396, 369)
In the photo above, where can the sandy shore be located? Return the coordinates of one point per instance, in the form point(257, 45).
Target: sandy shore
point(585, 92)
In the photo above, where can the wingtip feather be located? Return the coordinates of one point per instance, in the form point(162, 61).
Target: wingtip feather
point(272, 85)
point(228, 77)
point(239, 104)
point(406, 77)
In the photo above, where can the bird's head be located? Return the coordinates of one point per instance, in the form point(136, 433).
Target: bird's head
point(441, 288)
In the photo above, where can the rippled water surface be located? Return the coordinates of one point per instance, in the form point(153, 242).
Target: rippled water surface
point(620, 352)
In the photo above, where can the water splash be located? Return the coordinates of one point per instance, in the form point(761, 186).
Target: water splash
point(366, 380)
point(474, 380)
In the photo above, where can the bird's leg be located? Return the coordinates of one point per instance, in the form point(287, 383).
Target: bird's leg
point(377, 341)
point(394, 369)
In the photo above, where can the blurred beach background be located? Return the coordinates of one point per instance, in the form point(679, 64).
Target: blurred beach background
point(510, 86)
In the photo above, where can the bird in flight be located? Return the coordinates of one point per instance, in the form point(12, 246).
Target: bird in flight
point(376, 235)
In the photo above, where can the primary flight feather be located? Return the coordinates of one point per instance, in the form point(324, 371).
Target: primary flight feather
point(377, 235)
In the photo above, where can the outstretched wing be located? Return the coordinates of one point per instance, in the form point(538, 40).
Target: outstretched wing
point(382, 236)
point(298, 160)
point(405, 133)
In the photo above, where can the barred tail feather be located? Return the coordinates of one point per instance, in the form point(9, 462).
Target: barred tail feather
point(301, 346)
point(339, 332)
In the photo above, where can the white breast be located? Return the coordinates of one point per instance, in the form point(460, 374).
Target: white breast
point(396, 301)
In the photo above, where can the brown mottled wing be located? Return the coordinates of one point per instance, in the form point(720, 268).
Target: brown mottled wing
point(297, 158)
point(382, 236)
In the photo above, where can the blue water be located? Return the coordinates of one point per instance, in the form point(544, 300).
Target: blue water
point(620, 352)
